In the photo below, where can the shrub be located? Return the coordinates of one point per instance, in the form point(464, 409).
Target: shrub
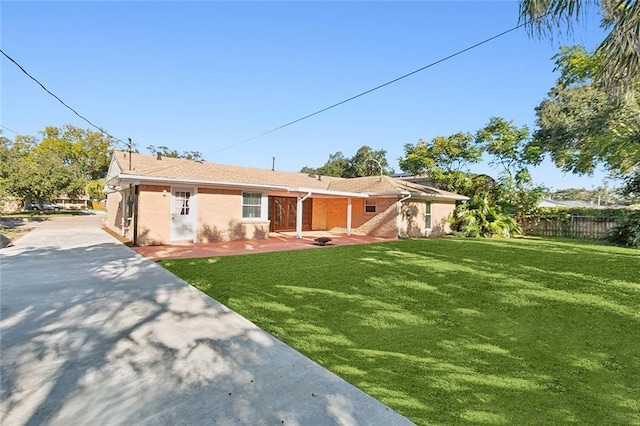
point(626, 232)
point(479, 218)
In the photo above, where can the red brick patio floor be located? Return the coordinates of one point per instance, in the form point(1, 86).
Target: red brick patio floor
point(275, 242)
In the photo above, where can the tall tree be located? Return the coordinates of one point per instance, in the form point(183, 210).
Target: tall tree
point(39, 175)
point(88, 150)
point(366, 162)
point(62, 162)
point(509, 149)
point(581, 126)
point(334, 166)
point(620, 50)
point(445, 159)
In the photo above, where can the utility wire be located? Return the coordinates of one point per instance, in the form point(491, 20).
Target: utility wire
point(6, 128)
point(60, 100)
point(460, 52)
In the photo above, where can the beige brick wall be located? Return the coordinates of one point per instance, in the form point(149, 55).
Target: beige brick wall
point(114, 212)
point(440, 212)
point(219, 217)
point(336, 213)
point(380, 224)
point(154, 214)
point(414, 225)
point(383, 223)
point(319, 214)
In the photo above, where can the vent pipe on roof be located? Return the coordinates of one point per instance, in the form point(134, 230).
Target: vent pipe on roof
point(130, 146)
point(273, 164)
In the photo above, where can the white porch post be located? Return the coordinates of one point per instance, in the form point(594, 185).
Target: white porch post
point(299, 214)
point(299, 217)
point(349, 216)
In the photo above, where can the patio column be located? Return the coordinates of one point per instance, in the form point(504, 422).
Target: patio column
point(299, 214)
point(349, 216)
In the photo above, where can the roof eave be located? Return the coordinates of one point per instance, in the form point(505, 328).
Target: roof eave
point(128, 178)
point(329, 192)
point(454, 197)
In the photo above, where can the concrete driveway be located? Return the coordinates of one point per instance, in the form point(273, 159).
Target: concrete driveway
point(94, 334)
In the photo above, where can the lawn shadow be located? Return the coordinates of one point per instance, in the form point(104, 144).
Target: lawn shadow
point(449, 332)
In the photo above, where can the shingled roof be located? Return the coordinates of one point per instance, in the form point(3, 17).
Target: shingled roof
point(386, 184)
point(178, 168)
point(168, 168)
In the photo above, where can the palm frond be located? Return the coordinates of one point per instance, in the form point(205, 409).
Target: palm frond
point(621, 47)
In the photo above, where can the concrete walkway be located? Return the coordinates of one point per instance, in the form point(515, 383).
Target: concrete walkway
point(95, 334)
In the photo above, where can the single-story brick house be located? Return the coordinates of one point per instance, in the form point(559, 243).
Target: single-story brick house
point(163, 200)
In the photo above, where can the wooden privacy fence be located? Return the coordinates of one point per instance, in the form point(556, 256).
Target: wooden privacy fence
point(571, 226)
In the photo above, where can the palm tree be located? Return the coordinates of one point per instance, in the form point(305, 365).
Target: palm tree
point(620, 48)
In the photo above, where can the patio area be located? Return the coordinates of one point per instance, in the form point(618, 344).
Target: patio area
point(277, 241)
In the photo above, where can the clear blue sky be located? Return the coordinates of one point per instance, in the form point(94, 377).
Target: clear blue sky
point(205, 75)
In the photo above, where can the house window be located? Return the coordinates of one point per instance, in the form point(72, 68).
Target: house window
point(427, 215)
point(370, 206)
point(251, 205)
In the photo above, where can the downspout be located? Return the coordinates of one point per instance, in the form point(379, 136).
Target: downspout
point(299, 214)
point(399, 212)
point(349, 212)
point(136, 193)
point(123, 220)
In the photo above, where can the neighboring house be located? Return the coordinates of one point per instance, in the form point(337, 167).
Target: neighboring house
point(75, 203)
point(419, 179)
point(161, 200)
point(570, 204)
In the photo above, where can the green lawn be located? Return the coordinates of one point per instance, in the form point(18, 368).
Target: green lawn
point(455, 331)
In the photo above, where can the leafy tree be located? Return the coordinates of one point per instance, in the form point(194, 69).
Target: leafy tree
point(88, 150)
point(632, 187)
point(168, 152)
point(61, 163)
point(571, 194)
point(510, 150)
point(95, 189)
point(582, 126)
point(602, 192)
point(336, 165)
point(620, 50)
point(442, 155)
point(39, 174)
point(446, 159)
point(366, 162)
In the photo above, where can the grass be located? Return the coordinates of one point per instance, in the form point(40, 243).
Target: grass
point(455, 331)
point(14, 233)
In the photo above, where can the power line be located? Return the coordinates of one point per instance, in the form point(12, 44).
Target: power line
point(6, 128)
point(60, 100)
point(384, 84)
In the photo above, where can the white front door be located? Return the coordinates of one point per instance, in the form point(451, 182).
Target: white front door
point(183, 214)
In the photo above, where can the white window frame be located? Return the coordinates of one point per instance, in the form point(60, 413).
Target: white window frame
point(370, 202)
point(264, 202)
point(428, 216)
